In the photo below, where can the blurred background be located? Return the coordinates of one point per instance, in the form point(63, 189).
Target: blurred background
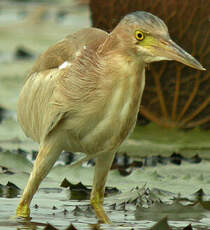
point(176, 99)
point(173, 128)
point(27, 28)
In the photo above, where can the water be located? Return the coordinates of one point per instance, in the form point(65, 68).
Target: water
point(53, 204)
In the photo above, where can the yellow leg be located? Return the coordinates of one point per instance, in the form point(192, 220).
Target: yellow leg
point(103, 164)
point(48, 154)
point(23, 210)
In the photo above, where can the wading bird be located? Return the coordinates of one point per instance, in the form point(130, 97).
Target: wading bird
point(83, 95)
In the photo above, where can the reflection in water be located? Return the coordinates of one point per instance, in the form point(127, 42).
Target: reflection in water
point(27, 224)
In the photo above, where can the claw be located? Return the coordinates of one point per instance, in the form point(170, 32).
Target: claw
point(97, 204)
point(23, 210)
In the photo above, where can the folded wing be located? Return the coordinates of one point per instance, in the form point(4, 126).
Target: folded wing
point(38, 113)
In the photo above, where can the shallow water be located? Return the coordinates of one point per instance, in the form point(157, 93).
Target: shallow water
point(147, 195)
point(52, 204)
point(55, 209)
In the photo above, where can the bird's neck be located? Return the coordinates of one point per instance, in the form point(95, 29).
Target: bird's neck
point(114, 43)
point(125, 75)
point(123, 84)
point(121, 64)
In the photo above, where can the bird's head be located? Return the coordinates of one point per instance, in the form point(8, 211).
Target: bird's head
point(146, 36)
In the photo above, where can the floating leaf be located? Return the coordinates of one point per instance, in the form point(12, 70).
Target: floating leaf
point(9, 190)
point(49, 227)
point(71, 227)
point(162, 224)
point(189, 227)
point(5, 170)
point(78, 191)
point(3, 112)
point(81, 192)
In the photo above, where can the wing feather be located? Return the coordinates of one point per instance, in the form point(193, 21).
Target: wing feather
point(38, 111)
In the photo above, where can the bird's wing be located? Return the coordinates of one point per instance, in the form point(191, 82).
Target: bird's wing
point(68, 49)
point(38, 112)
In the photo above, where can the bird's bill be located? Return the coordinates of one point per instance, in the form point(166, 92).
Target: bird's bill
point(172, 51)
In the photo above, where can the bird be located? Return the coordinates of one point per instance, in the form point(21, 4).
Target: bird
point(83, 95)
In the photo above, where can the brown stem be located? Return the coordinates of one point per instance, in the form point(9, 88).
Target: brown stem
point(204, 43)
point(188, 23)
point(200, 122)
point(159, 91)
point(197, 111)
point(153, 118)
point(191, 97)
point(176, 93)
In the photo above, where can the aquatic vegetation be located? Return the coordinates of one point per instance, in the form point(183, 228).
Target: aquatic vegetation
point(175, 96)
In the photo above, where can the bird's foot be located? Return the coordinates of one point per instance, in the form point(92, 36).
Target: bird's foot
point(23, 210)
point(97, 204)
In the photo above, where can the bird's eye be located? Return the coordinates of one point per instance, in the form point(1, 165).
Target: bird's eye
point(139, 35)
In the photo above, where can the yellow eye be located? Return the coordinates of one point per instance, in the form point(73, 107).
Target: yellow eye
point(139, 35)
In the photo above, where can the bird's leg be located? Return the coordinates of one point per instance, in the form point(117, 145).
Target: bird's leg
point(103, 164)
point(48, 154)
